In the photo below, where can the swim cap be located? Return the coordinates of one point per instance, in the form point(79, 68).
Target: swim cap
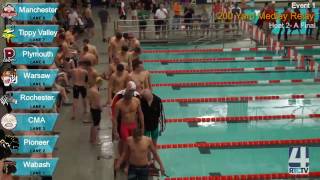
point(133, 85)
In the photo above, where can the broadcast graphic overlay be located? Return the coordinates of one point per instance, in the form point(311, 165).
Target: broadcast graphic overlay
point(28, 91)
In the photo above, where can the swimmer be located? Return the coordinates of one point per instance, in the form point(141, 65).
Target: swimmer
point(59, 57)
point(128, 111)
point(115, 44)
point(135, 53)
point(153, 113)
point(88, 56)
point(117, 82)
point(113, 66)
point(92, 73)
point(68, 64)
point(91, 48)
point(79, 77)
point(124, 57)
point(136, 150)
point(69, 37)
point(139, 75)
point(132, 41)
point(95, 109)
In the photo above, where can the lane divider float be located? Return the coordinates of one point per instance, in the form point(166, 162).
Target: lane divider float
point(306, 47)
point(237, 83)
point(225, 59)
point(240, 118)
point(240, 98)
point(203, 50)
point(263, 143)
point(228, 70)
point(250, 176)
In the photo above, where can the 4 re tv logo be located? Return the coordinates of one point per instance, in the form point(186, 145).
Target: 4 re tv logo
point(8, 54)
point(298, 160)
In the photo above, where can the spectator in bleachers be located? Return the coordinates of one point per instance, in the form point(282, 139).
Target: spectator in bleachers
point(261, 20)
point(188, 15)
point(295, 23)
point(267, 22)
point(310, 22)
point(161, 17)
point(177, 15)
point(205, 21)
point(143, 15)
point(318, 24)
point(284, 24)
point(122, 10)
point(216, 10)
point(236, 11)
point(134, 13)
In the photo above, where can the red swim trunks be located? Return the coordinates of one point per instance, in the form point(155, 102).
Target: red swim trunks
point(126, 130)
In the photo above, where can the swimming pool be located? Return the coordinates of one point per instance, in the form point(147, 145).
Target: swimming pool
point(267, 112)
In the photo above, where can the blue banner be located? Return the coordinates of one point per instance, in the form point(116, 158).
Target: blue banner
point(35, 166)
point(34, 11)
point(35, 77)
point(33, 99)
point(31, 33)
point(30, 55)
point(35, 121)
point(36, 144)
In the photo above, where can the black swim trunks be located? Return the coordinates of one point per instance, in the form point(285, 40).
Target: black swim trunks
point(77, 90)
point(96, 116)
point(138, 172)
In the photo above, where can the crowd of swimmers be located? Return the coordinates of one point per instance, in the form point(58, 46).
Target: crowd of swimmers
point(136, 111)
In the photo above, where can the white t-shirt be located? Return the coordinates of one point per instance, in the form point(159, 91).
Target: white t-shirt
point(73, 18)
point(122, 6)
point(161, 13)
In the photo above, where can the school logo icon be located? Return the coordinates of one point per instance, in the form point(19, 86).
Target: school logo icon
point(298, 160)
point(9, 121)
point(8, 34)
point(8, 12)
point(8, 54)
point(6, 99)
point(9, 77)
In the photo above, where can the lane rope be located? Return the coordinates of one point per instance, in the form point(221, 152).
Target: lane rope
point(292, 55)
point(204, 50)
point(234, 144)
point(240, 59)
point(306, 47)
point(240, 118)
point(228, 70)
point(240, 98)
point(250, 176)
point(237, 83)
